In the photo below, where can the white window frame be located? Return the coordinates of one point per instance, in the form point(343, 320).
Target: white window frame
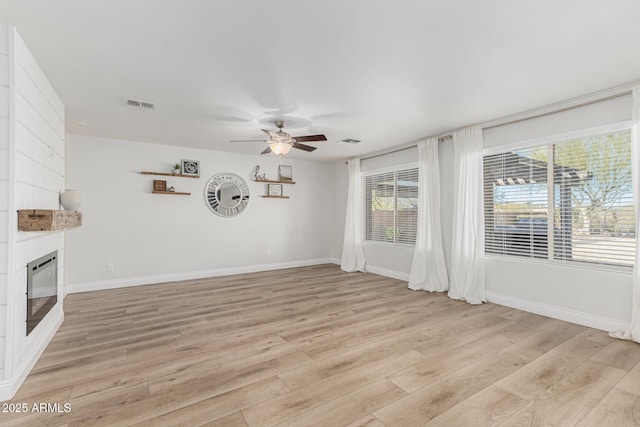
point(557, 139)
point(378, 171)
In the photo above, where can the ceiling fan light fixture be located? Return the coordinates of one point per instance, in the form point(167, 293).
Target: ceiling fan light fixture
point(280, 142)
point(280, 148)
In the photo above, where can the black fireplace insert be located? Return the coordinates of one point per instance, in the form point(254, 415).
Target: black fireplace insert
point(42, 288)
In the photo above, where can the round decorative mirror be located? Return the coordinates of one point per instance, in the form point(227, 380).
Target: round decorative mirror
point(226, 194)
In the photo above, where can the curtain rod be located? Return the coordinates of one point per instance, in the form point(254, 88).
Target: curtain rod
point(413, 145)
point(559, 110)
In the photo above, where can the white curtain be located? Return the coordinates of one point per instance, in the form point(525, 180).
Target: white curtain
point(352, 252)
point(467, 263)
point(633, 332)
point(428, 269)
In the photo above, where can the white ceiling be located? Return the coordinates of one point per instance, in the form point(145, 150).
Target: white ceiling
point(386, 72)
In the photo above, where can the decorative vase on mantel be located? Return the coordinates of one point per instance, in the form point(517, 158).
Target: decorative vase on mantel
point(71, 200)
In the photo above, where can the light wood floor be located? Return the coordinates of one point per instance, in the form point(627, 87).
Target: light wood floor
point(318, 347)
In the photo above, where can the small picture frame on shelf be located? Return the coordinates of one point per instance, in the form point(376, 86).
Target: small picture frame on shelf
point(190, 167)
point(159, 185)
point(275, 190)
point(285, 173)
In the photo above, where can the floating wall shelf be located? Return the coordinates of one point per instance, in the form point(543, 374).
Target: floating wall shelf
point(168, 174)
point(172, 192)
point(172, 175)
point(269, 181)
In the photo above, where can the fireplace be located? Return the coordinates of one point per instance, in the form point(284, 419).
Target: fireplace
point(42, 288)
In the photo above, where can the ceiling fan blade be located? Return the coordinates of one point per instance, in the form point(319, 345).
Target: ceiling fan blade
point(272, 134)
point(303, 147)
point(309, 138)
point(266, 150)
point(247, 140)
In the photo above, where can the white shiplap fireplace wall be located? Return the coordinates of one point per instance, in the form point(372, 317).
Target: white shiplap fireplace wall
point(4, 189)
point(32, 153)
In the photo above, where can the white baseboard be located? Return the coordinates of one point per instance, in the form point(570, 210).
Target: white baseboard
point(560, 313)
point(8, 388)
point(387, 273)
point(174, 277)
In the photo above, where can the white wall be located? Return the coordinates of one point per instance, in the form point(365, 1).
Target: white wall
point(598, 114)
point(589, 296)
point(35, 174)
point(340, 182)
point(151, 238)
point(4, 188)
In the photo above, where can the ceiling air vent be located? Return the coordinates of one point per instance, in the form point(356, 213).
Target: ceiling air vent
point(139, 105)
point(351, 141)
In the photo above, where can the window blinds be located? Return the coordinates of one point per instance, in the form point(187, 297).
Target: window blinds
point(580, 210)
point(379, 202)
point(516, 203)
point(391, 206)
point(593, 199)
point(406, 206)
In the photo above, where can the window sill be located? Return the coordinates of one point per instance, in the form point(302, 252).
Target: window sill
point(388, 244)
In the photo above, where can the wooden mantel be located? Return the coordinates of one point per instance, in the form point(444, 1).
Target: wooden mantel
point(48, 220)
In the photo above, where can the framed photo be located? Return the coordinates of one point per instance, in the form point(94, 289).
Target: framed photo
point(159, 185)
point(285, 173)
point(275, 190)
point(190, 167)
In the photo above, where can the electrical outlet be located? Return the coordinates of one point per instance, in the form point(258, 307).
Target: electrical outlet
point(110, 267)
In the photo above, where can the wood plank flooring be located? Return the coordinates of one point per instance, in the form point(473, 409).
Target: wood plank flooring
point(315, 346)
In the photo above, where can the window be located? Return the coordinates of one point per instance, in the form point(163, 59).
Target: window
point(391, 206)
point(516, 203)
point(579, 210)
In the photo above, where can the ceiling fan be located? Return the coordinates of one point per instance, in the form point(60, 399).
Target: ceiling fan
point(280, 142)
